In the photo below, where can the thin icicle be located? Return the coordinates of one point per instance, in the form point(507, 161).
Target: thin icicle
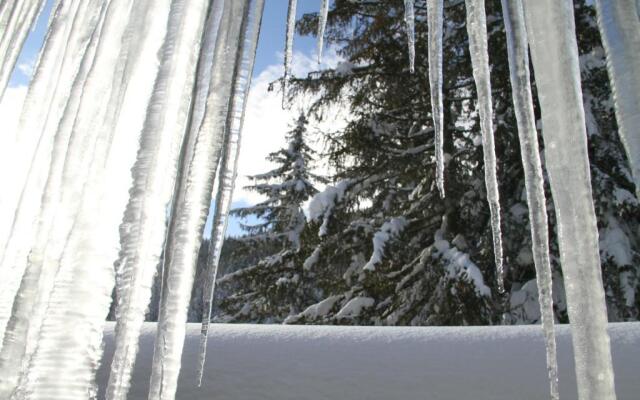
point(18, 26)
point(322, 25)
point(435, 21)
point(288, 47)
point(410, 27)
point(518, 53)
point(42, 109)
point(191, 204)
point(620, 30)
point(229, 165)
point(72, 328)
point(143, 230)
point(478, 48)
point(554, 51)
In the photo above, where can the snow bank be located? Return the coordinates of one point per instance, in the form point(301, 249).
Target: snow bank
point(264, 362)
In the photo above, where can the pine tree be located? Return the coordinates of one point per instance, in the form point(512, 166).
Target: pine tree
point(275, 286)
point(390, 251)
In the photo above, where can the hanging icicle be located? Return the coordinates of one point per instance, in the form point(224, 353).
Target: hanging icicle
point(229, 164)
point(435, 20)
point(322, 25)
point(48, 95)
point(143, 230)
point(124, 70)
point(191, 204)
point(518, 53)
point(16, 19)
point(288, 47)
point(410, 27)
point(554, 51)
point(478, 49)
point(620, 30)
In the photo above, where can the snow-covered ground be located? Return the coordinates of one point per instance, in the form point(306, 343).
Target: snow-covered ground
point(264, 362)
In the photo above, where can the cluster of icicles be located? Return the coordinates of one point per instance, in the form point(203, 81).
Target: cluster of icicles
point(136, 109)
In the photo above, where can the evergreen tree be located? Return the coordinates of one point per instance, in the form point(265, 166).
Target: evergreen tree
point(390, 251)
point(275, 286)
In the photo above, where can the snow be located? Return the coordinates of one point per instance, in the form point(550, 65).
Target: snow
point(552, 38)
point(377, 363)
point(322, 204)
point(459, 263)
point(388, 231)
point(355, 306)
point(478, 48)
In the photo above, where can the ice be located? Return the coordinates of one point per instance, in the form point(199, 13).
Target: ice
point(143, 229)
point(229, 162)
point(518, 54)
point(620, 30)
point(16, 19)
point(322, 25)
point(410, 26)
point(191, 204)
point(478, 48)
point(552, 38)
point(69, 346)
point(46, 100)
point(435, 21)
point(288, 47)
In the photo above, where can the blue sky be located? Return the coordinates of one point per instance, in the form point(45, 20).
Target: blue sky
point(269, 57)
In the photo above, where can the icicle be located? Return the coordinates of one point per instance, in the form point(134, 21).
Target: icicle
point(124, 70)
point(42, 109)
point(435, 17)
point(22, 17)
point(478, 48)
point(534, 182)
point(229, 164)
point(322, 25)
point(620, 30)
point(410, 26)
point(554, 51)
point(288, 48)
point(191, 204)
point(143, 230)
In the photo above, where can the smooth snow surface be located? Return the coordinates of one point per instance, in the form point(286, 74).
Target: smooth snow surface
point(554, 52)
point(518, 52)
point(275, 362)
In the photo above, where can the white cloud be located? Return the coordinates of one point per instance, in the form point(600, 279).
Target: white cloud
point(27, 67)
point(266, 123)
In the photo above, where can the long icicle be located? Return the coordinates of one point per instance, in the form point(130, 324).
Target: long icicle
point(46, 96)
point(554, 52)
point(22, 18)
point(518, 54)
point(478, 48)
point(18, 342)
point(143, 229)
point(322, 26)
point(288, 47)
point(191, 204)
point(435, 21)
point(229, 165)
point(620, 30)
point(410, 27)
point(72, 329)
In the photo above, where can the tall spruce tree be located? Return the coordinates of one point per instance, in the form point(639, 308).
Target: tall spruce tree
point(397, 253)
point(275, 286)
